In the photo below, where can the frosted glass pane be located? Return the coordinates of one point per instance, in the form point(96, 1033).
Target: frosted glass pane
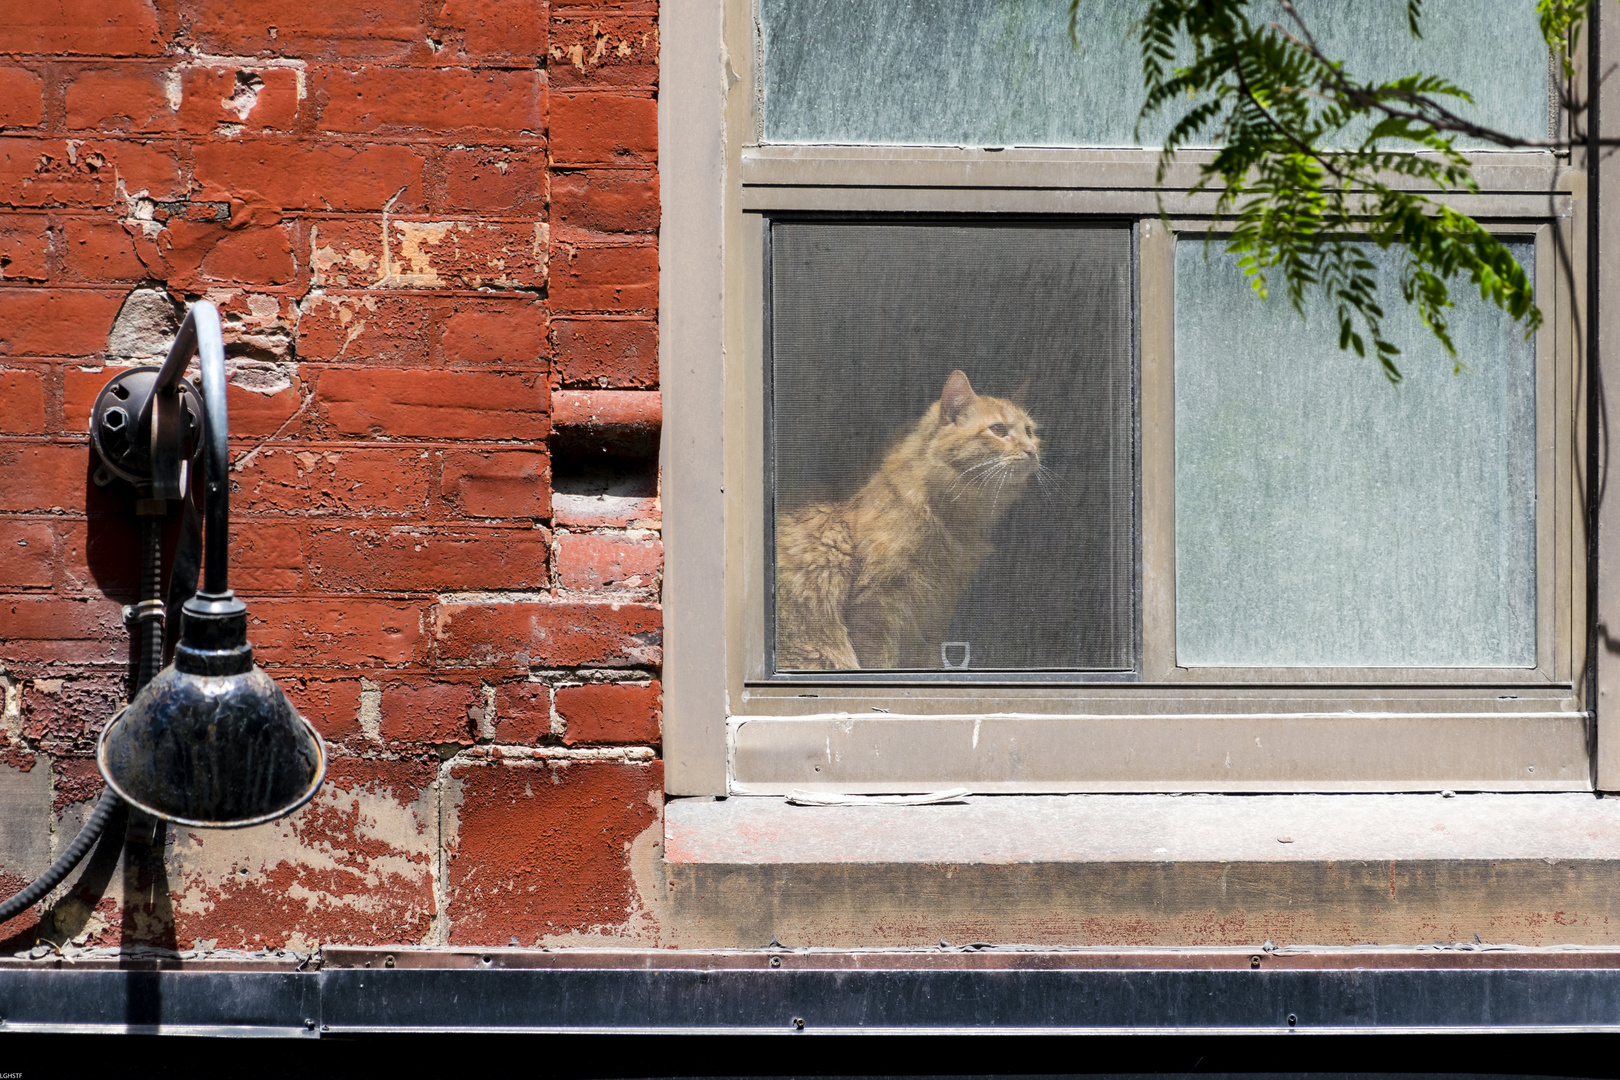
point(1327, 518)
point(1005, 73)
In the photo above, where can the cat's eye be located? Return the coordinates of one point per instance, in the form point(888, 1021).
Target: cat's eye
point(999, 430)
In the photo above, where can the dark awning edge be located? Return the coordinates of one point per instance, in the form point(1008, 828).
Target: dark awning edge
point(791, 1001)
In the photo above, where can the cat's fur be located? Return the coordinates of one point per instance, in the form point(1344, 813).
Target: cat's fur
point(873, 581)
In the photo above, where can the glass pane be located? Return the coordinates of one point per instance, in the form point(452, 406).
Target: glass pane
point(926, 520)
point(1005, 72)
point(1326, 517)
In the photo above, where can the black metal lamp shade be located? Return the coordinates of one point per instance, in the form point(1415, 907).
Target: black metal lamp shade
point(211, 740)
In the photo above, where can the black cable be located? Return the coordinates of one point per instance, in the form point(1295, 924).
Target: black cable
point(150, 624)
point(63, 866)
point(149, 632)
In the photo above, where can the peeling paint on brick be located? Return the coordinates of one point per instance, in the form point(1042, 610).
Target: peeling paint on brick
point(366, 194)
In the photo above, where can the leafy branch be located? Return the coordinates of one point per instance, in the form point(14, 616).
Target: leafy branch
point(1301, 195)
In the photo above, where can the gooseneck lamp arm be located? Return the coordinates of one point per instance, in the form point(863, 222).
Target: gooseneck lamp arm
point(210, 740)
point(201, 334)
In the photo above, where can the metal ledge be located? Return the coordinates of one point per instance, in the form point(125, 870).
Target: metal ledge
point(696, 999)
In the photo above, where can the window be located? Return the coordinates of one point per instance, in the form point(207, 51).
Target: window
point(1209, 551)
point(910, 536)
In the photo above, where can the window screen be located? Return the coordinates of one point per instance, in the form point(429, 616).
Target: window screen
point(1006, 72)
point(952, 446)
point(1327, 518)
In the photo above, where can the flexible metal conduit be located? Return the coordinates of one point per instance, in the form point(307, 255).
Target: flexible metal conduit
point(200, 333)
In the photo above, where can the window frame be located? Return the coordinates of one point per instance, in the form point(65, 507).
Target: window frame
point(733, 728)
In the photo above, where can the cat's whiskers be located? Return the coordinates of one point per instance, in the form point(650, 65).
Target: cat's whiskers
point(995, 502)
point(964, 481)
point(1050, 482)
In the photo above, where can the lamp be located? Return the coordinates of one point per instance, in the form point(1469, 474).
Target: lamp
point(211, 740)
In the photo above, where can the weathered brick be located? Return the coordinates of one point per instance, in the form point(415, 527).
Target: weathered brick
point(82, 27)
point(584, 204)
point(493, 29)
point(410, 100)
point(27, 554)
point(310, 28)
point(24, 247)
point(608, 49)
point(359, 327)
point(75, 780)
point(311, 176)
point(254, 98)
point(80, 388)
point(435, 404)
point(247, 312)
point(64, 713)
point(45, 476)
point(436, 711)
point(253, 256)
point(498, 180)
point(548, 635)
point(22, 402)
point(127, 98)
point(334, 632)
point(253, 413)
point(587, 562)
point(603, 129)
point(522, 713)
point(544, 849)
point(326, 481)
point(95, 250)
point(497, 483)
point(332, 705)
point(606, 352)
point(22, 97)
point(622, 422)
point(53, 172)
point(417, 560)
point(24, 926)
point(611, 713)
point(355, 866)
point(619, 278)
point(187, 254)
point(267, 558)
point(578, 510)
point(250, 412)
point(100, 555)
point(506, 331)
point(430, 254)
point(56, 322)
point(53, 630)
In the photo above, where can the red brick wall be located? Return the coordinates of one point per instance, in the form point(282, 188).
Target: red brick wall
point(431, 226)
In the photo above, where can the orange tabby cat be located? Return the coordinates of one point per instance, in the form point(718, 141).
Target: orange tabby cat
point(873, 581)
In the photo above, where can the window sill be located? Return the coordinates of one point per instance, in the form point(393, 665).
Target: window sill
point(1132, 870)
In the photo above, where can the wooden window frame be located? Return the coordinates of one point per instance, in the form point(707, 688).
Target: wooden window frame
point(730, 729)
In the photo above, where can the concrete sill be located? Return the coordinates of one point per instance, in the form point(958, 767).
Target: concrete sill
point(1147, 870)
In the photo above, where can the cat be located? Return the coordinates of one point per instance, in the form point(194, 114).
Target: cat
point(873, 581)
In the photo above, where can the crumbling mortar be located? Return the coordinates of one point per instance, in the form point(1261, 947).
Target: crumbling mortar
point(559, 677)
point(370, 714)
point(484, 755)
point(11, 715)
point(439, 929)
point(486, 718)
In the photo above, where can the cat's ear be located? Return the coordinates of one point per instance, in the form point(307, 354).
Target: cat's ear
point(957, 397)
point(1020, 396)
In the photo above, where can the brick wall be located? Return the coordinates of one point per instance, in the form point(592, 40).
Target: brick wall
point(431, 226)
